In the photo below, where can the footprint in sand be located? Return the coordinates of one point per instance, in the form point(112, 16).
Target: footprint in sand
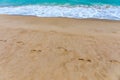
point(88, 60)
point(114, 61)
point(63, 50)
point(3, 40)
point(81, 59)
point(20, 42)
point(117, 32)
point(35, 51)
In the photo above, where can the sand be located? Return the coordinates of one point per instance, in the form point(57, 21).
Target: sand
point(34, 48)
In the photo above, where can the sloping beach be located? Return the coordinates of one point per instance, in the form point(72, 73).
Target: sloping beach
point(34, 48)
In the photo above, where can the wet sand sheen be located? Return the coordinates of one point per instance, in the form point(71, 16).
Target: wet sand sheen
point(34, 48)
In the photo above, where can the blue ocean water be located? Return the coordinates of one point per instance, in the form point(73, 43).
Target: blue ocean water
point(101, 9)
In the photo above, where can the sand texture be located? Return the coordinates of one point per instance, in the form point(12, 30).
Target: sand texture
point(34, 48)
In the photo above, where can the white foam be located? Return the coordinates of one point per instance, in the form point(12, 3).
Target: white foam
point(101, 12)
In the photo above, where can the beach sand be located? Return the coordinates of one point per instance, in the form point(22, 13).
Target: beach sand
point(34, 48)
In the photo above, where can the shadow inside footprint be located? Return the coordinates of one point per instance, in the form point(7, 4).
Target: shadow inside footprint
point(88, 60)
point(20, 42)
point(36, 51)
point(81, 59)
point(33, 50)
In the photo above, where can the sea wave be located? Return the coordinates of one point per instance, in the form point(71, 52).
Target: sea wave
point(83, 11)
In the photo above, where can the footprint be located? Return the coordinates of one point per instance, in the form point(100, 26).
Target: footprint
point(63, 51)
point(81, 59)
point(114, 61)
point(20, 42)
point(114, 32)
point(36, 51)
point(62, 48)
point(3, 40)
point(88, 60)
point(39, 50)
point(33, 51)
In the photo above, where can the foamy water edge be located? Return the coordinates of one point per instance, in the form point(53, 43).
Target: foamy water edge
point(99, 12)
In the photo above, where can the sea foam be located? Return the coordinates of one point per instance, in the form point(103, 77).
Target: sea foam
point(99, 12)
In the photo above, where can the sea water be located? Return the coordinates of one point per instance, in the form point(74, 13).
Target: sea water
point(100, 9)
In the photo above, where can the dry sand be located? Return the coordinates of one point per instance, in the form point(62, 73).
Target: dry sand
point(59, 49)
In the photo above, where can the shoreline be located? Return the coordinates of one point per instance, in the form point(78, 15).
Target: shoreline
point(94, 19)
point(98, 19)
point(100, 12)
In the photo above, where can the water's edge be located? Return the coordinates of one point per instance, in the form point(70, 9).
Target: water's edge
point(79, 12)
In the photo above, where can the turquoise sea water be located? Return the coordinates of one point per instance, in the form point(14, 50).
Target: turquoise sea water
point(101, 9)
point(72, 2)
